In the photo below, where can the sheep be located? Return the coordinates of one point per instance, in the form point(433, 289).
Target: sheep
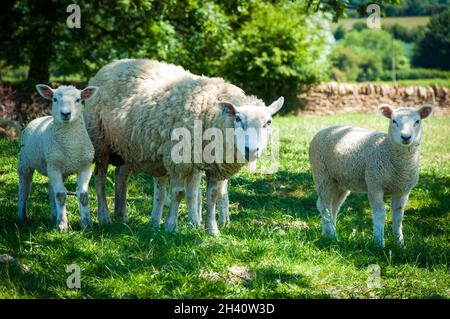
point(139, 106)
point(57, 146)
point(345, 158)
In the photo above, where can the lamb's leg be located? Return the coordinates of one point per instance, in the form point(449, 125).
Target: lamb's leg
point(223, 205)
point(159, 198)
point(199, 203)
point(378, 216)
point(51, 195)
point(56, 180)
point(177, 194)
point(84, 176)
point(101, 169)
point(212, 190)
point(339, 197)
point(25, 179)
point(192, 190)
point(122, 177)
point(398, 209)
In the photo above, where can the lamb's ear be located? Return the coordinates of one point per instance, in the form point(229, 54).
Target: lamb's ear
point(45, 91)
point(425, 110)
point(88, 92)
point(386, 110)
point(228, 108)
point(276, 106)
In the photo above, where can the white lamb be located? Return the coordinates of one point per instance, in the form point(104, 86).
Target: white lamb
point(345, 159)
point(57, 146)
point(141, 102)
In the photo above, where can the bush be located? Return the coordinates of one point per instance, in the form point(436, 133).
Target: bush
point(345, 64)
point(279, 53)
point(415, 74)
point(339, 33)
point(433, 49)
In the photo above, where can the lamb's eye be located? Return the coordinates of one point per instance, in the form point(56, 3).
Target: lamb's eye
point(238, 119)
point(395, 122)
point(268, 123)
point(77, 100)
point(54, 99)
point(417, 122)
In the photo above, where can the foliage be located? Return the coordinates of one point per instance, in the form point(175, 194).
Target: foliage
point(403, 33)
point(363, 55)
point(278, 52)
point(433, 49)
point(405, 8)
point(339, 33)
point(267, 235)
point(416, 73)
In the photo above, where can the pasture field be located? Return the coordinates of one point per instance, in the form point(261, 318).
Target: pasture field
point(272, 249)
point(408, 22)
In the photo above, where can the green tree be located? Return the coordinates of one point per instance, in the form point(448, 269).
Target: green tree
point(433, 49)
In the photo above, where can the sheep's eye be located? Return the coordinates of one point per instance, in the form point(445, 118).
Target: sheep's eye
point(269, 122)
point(417, 122)
point(238, 119)
point(77, 100)
point(54, 99)
point(395, 122)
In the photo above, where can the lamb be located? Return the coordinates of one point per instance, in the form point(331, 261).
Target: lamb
point(139, 106)
point(57, 146)
point(345, 159)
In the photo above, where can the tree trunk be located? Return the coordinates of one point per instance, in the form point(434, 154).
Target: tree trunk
point(41, 55)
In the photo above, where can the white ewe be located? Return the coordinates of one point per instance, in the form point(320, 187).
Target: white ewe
point(345, 159)
point(140, 104)
point(57, 146)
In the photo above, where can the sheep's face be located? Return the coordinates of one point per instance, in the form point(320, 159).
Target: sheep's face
point(66, 101)
point(405, 127)
point(252, 127)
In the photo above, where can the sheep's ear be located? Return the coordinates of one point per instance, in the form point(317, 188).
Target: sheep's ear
point(425, 111)
point(386, 110)
point(276, 106)
point(45, 91)
point(88, 92)
point(228, 109)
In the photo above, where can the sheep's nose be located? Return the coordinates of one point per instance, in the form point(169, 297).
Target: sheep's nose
point(65, 116)
point(406, 138)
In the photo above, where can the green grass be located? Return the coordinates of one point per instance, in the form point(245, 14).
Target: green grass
point(285, 262)
point(409, 22)
point(417, 82)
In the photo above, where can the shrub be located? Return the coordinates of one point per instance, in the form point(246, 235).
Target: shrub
point(279, 51)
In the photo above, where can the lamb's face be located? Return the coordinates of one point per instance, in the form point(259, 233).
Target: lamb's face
point(66, 101)
point(405, 127)
point(252, 127)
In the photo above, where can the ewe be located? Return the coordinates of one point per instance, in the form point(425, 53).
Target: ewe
point(57, 146)
point(345, 159)
point(140, 104)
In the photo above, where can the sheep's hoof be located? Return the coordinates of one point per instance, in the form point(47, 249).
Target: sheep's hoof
point(22, 218)
point(122, 219)
point(171, 226)
point(378, 244)
point(155, 225)
point(224, 222)
point(104, 219)
point(86, 223)
point(62, 226)
point(213, 231)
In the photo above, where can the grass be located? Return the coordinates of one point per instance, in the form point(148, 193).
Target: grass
point(133, 261)
point(408, 22)
point(417, 82)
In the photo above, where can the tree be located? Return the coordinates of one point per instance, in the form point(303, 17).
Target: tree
point(433, 49)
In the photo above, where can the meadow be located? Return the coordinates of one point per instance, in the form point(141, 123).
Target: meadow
point(272, 248)
point(408, 22)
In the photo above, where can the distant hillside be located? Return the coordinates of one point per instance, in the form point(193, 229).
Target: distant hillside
point(406, 8)
point(408, 22)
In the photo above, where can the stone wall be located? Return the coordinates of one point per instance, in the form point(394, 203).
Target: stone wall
point(333, 98)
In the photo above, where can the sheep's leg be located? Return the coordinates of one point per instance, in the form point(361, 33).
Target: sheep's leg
point(223, 205)
point(177, 194)
point(122, 177)
point(339, 197)
point(51, 195)
point(378, 216)
point(56, 180)
point(398, 209)
point(192, 190)
point(159, 198)
point(199, 202)
point(84, 176)
point(101, 169)
point(25, 179)
point(212, 190)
